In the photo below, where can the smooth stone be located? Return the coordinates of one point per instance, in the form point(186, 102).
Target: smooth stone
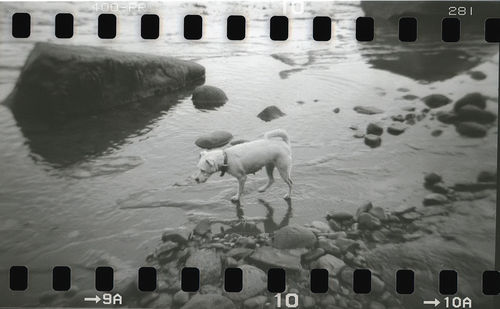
point(336, 110)
point(402, 89)
point(273, 257)
point(396, 128)
point(447, 117)
point(208, 97)
point(58, 81)
point(334, 225)
point(471, 129)
point(432, 178)
point(436, 100)
point(339, 216)
point(487, 176)
point(403, 209)
point(475, 114)
point(358, 135)
point(203, 227)
point(367, 110)
point(209, 264)
point(209, 301)
point(477, 75)
point(475, 99)
point(270, 113)
point(330, 247)
point(320, 225)
point(435, 199)
point(368, 221)
point(313, 255)
point(410, 97)
point(364, 208)
point(346, 244)
point(373, 140)
point(254, 282)
point(329, 262)
point(294, 236)
point(374, 128)
point(214, 139)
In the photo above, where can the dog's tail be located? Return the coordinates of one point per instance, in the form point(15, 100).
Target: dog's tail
point(278, 133)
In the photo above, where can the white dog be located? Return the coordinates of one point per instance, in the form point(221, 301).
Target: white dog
point(248, 158)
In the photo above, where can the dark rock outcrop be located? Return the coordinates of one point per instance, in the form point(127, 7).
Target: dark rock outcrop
point(436, 100)
point(208, 97)
point(62, 80)
point(471, 129)
point(474, 98)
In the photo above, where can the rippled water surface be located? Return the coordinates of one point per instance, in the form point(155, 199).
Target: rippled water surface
point(109, 188)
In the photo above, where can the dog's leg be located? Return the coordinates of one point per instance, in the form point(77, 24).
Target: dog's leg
point(285, 170)
point(270, 180)
point(241, 185)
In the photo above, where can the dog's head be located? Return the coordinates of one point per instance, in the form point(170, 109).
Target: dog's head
point(207, 165)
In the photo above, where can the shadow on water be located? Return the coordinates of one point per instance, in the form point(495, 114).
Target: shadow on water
point(269, 223)
point(77, 139)
point(428, 59)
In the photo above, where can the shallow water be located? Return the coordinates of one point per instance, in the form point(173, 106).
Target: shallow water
point(96, 185)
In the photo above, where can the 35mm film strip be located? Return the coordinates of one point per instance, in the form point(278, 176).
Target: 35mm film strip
point(253, 154)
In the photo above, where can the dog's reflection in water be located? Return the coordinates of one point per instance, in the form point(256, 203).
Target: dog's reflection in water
point(269, 224)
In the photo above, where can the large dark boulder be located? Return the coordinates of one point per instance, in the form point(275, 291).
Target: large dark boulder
point(62, 80)
point(208, 97)
point(214, 139)
point(474, 98)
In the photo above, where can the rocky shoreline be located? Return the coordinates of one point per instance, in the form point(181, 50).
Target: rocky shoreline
point(339, 244)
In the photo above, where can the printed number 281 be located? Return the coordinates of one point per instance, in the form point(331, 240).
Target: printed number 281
point(459, 10)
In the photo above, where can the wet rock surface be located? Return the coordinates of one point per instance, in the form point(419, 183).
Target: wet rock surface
point(436, 100)
point(208, 97)
point(368, 110)
point(214, 139)
point(270, 113)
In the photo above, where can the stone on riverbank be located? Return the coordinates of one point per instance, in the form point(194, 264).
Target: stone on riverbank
point(432, 179)
point(435, 199)
point(254, 282)
point(271, 257)
point(208, 97)
point(214, 139)
point(436, 100)
point(270, 113)
point(67, 80)
point(209, 264)
point(331, 263)
point(294, 236)
point(368, 221)
point(209, 301)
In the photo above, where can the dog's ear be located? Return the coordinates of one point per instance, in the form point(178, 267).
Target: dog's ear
point(202, 153)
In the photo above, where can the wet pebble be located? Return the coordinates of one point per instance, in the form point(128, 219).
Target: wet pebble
point(436, 100)
point(368, 221)
point(270, 113)
point(471, 129)
point(294, 236)
point(374, 128)
point(475, 99)
point(473, 113)
point(336, 110)
point(373, 140)
point(396, 128)
point(435, 199)
point(432, 178)
point(367, 110)
point(477, 75)
point(208, 97)
point(437, 132)
point(214, 139)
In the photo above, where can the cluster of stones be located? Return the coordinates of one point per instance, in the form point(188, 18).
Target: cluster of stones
point(400, 123)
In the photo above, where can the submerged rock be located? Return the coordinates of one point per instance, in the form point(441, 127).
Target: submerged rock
point(471, 129)
point(432, 179)
point(436, 100)
point(447, 117)
point(270, 113)
point(477, 75)
point(213, 140)
point(367, 110)
point(64, 80)
point(373, 140)
point(475, 99)
point(208, 97)
point(271, 257)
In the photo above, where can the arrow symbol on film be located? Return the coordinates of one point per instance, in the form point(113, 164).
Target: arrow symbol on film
point(95, 299)
point(434, 302)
